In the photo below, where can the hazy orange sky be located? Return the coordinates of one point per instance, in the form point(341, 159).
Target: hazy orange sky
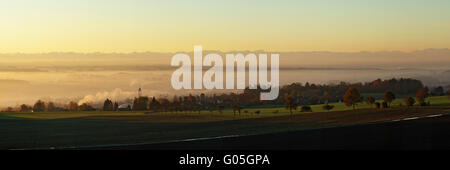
point(35, 26)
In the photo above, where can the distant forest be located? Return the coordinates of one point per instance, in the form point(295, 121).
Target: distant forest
point(300, 94)
point(297, 94)
point(311, 94)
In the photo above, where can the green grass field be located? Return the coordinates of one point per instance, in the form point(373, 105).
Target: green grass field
point(68, 129)
point(214, 116)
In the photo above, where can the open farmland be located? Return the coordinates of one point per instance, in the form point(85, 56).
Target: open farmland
point(84, 129)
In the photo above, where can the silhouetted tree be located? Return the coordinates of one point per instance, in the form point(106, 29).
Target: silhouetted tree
point(116, 106)
point(352, 97)
point(164, 104)
point(51, 107)
point(39, 106)
point(290, 102)
point(438, 91)
point(72, 106)
point(421, 95)
point(86, 107)
point(220, 107)
point(409, 101)
point(9, 109)
point(197, 107)
point(25, 108)
point(154, 105)
point(140, 103)
point(236, 108)
point(427, 90)
point(108, 105)
point(370, 101)
point(388, 97)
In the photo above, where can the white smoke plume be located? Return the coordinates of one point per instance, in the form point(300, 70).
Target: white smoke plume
point(115, 95)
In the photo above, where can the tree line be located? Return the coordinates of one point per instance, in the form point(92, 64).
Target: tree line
point(352, 98)
point(292, 96)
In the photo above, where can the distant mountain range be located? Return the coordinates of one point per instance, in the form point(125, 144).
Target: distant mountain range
point(428, 58)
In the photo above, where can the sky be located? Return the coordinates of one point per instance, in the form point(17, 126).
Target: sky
point(37, 38)
point(40, 26)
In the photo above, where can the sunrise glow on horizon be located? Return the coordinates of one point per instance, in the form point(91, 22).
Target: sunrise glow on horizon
point(30, 26)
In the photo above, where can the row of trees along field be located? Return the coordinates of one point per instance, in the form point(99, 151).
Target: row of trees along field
point(291, 96)
point(41, 106)
point(352, 97)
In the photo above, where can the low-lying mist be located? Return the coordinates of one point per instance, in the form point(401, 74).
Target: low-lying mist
point(65, 77)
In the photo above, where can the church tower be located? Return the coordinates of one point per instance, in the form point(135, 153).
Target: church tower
point(140, 92)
